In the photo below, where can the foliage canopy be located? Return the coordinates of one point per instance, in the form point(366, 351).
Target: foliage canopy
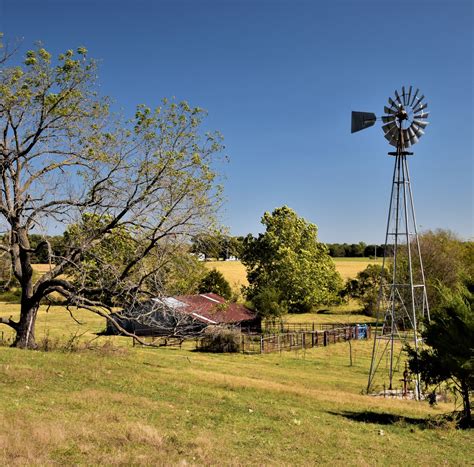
point(289, 259)
point(215, 282)
point(450, 337)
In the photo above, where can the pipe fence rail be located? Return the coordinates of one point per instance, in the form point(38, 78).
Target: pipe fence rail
point(275, 328)
point(260, 343)
point(264, 343)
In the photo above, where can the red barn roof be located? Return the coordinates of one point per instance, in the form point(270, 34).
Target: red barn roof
point(210, 308)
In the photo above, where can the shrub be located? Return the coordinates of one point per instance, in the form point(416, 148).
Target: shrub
point(215, 282)
point(221, 340)
point(365, 287)
point(269, 304)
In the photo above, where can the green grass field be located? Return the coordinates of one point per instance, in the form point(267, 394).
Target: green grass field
point(118, 404)
point(162, 406)
point(108, 402)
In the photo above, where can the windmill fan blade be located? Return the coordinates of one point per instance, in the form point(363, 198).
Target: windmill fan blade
point(388, 118)
point(392, 103)
point(362, 120)
point(418, 131)
point(389, 127)
point(419, 99)
point(393, 141)
point(412, 136)
point(420, 124)
point(414, 97)
point(406, 138)
point(422, 115)
point(397, 96)
point(388, 110)
point(409, 95)
point(404, 95)
point(420, 107)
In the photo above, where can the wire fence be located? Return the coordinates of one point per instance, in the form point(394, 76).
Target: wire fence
point(251, 343)
point(282, 327)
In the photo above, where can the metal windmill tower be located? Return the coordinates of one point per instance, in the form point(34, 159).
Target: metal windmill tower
point(402, 301)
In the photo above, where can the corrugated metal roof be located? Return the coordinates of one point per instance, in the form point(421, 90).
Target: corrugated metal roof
point(212, 307)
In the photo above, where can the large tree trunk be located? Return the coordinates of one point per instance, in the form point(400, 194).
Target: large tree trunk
point(21, 263)
point(467, 417)
point(25, 332)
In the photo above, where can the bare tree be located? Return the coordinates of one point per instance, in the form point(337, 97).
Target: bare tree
point(158, 317)
point(65, 161)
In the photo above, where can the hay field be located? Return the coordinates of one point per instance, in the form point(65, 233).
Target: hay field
point(234, 271)
point(42, 268)
point(349, 267)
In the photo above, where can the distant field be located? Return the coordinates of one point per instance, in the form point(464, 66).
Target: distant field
point(349, 267)
point(235, 272)
point(42, 268)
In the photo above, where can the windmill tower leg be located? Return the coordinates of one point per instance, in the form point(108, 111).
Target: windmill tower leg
point(403, 302)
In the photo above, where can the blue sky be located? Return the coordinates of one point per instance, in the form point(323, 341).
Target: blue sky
point(279, 79)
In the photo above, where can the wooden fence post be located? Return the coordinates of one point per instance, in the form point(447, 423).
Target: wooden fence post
point(261, 344)
point(325, 338)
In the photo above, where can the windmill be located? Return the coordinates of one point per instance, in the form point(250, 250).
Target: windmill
point(402, 301)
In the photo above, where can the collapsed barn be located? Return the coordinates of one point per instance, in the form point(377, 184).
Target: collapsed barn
point(182, 316)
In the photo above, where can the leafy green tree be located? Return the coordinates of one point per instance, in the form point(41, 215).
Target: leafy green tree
point(336, 250)
point(450, 337)
point(207, 244)
point(366, 286)
point(96, 274)
point(215, 282)
point(289, 259)
point(447, 260)
point(177, 271)
point(269, 304)
point(62, 155)
point(230, 246)
point(42, 244)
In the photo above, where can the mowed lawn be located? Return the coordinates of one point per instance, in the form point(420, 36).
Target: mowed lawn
point(235, 273)
point(118, 405)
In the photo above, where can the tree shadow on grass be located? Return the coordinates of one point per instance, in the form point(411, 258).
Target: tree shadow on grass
point(378, 418)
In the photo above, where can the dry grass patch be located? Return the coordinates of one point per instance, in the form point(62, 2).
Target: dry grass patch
point(348, 268)
point(234, 272)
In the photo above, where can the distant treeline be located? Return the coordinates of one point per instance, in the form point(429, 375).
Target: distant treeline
point(218, 246)
point(211, 246)
point(357, 250)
